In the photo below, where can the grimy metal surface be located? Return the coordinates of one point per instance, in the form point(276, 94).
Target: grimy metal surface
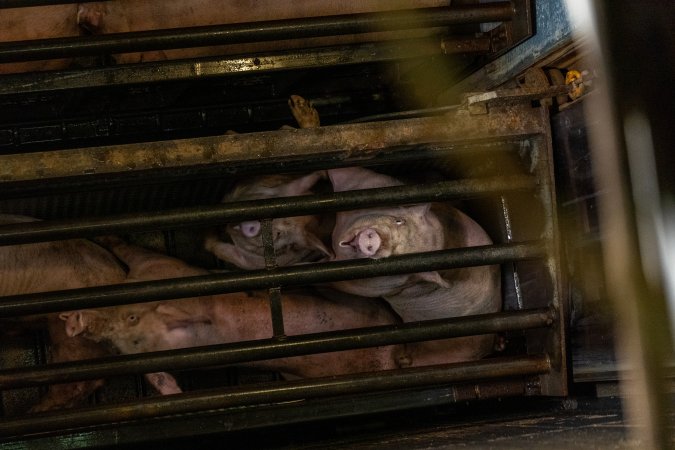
point(276, 392)
point(255, 32)
point(341, 143)
point(289, 413)
point(217, 355)
point(149, 72)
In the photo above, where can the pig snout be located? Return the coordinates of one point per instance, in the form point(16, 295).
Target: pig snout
point(250, 228)
point(367, 242)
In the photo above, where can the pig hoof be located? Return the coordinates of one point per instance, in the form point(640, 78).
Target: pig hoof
point(304, 112)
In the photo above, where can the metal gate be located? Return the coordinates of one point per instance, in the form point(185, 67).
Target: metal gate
point(508, 153)
point(493, 154)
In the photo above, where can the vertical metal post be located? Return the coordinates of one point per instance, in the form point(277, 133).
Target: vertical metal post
point(633, 107)
point(275, 292)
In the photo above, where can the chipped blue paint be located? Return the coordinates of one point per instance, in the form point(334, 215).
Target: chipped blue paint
point(552, 31)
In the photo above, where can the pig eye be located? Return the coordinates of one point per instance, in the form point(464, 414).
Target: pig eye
point(399, 221)
point(250, 228)
point(132, 319)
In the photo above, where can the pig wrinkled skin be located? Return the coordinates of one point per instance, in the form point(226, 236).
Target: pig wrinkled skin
point(42, 22)
point(382, 232)
point(123, 16)
point(295, 238)
point(51, 266)
point(228, 318)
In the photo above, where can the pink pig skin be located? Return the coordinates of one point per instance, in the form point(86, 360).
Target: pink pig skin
point(133, 15)
point(40, 22)
point(381, 232)
point(230, 318)
point(296, 239)
point(51, 266)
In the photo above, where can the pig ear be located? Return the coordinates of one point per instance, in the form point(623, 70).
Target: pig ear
point(76, 322)
point(176, 317)
point(90, 16)
point(302, 185)
point(351, 178)
point(421, 210)
point(232, 254)
point(315, 243)
point(432, 277)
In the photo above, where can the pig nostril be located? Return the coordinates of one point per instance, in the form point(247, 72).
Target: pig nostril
point(369, 242)
point(250, 228)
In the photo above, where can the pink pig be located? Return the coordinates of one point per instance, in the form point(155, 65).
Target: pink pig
point(51, 266)
point(227, 318)
point(295, 238)
point(382, 232)
point(131, 15)
point(38, 22)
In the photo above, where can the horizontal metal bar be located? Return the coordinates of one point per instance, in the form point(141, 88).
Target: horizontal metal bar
point(242, 352)
point(255, 32)
point(7, 4)
point(278, 392)
point(147, 291)
point(25, 232)
point(173, 70)
point(343, 143)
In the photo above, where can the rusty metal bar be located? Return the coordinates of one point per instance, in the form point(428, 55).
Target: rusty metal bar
point(279, 392)
point(342, 143)
point(150, 72)
point(255, 32)
point(306, 274)
point(233, 212)
point(243, 352)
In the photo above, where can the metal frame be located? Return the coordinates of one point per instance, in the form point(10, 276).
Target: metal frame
point(515, 18)
point(541, 372)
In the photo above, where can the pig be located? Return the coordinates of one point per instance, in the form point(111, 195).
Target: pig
point(295, 239)
point(40, 22)
point(51, 266)
point(130, 15)
point(225, 318)
point(382, 232)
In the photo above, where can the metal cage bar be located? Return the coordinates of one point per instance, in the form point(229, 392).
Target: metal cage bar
point(291, 390)
point(255, 32)
point(241, 352)
point(260, 209)
point(147, 291)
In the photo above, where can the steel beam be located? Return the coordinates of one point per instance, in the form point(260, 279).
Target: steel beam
point(278, 392)
point(254, 32)
point(332, 143)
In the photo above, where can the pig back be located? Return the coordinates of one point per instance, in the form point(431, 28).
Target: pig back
point(40, 22)
point(51, 266)
point(133, 15)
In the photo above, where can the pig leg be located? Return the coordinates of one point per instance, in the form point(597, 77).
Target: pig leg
point(163, 382)
point(304, 112)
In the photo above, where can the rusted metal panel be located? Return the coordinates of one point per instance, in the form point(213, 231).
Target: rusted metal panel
point(346, 143)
